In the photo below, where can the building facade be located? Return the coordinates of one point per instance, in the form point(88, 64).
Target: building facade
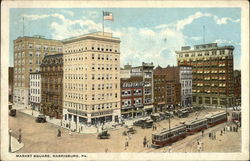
point(35, 90)
point(237, 87)
point(92, 78)
point(186, 85)
point(131, 97)
point(52, 86)
point(28, 55)
point(146, 72)
point(212, 72)
point(167, 88)
point(11, 83)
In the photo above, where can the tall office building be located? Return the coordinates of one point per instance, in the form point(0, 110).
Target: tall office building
point(28, 55)
point(212, 69)
point(92, 78)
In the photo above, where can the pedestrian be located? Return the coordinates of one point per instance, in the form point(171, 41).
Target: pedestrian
point(221, 132)
point(236, 129)
point(144, 141)
point(197, 142)
point(202, 132)
point(224, 130)
point(230, 128)
point(59, 133)
point(209, 135)
point(170, 149)
point(20, 136)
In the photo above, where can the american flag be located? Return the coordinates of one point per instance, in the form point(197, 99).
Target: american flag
point(108, 16)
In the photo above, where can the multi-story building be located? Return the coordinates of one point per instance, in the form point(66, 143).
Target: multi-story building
point(35, 90)
point(92, 78)
point(212, 73)
point(52, 85)
point(146, 72)
point(131, 97)
point(167, 88)
point(186, 85)
point(28, 55)
point(237, 87)
point(11, 74)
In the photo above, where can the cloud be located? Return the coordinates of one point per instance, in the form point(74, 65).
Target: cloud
point(155, 44)
point(222, 41)
point(68, 12)
point(196, 38)
point(181, 24)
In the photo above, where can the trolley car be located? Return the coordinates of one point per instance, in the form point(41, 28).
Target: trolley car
point(168, 136)
point(196, 125)
point(236, 116)
point(216, 119)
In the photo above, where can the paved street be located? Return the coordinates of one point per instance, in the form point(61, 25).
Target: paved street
point(42, 137)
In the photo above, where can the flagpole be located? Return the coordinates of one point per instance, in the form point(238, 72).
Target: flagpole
point(102, 22)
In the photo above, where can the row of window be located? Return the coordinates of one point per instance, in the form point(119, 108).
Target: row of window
point(93, 67)
point(129, 92)
point(94, 86)
point(34, 84)
point(206, 53)
point(93, 77)
point(128, 102)
point(92, 48)
point(39, 47)
point(34, 91)
point(93, 57)
point(103, 96)
point(35, 99)
point(90, 107)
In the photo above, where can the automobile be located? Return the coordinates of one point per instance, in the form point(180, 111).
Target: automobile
point(41, 119)
point(139, 122)
point(12, 112)
point(104, 135)
point(130, 130)
point(147, 124)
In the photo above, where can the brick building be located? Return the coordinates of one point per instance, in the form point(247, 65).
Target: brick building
point(237, 87)
point(131, 97)
point(212, 72)
point(167, 88)
point(52, 85)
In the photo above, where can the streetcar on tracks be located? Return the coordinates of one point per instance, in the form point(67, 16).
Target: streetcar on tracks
point(168, 136)
point(217, 118)
point(236, 118)
point(196, 125)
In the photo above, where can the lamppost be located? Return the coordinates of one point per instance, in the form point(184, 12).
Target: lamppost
point(76, 118)
point(10, 140)
point(69, 123)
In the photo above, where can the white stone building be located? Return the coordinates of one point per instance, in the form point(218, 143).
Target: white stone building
point(35, 90)
point(186, 85)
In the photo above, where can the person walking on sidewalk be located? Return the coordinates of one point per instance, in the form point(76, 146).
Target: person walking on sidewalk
point(20, 136)
point(59, 133)
point(144, 142)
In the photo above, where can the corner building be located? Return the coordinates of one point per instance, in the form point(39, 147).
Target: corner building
point(29, 52)
point(92, 78)
point(212, 73)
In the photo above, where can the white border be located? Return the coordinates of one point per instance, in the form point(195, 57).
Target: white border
point(244, 155)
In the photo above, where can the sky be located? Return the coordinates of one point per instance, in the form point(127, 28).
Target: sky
point(147, 34)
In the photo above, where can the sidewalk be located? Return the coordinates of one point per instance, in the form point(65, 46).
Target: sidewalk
point(15, 145)
point(81, 128)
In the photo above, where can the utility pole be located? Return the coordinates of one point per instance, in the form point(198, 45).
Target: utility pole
point(203, 34)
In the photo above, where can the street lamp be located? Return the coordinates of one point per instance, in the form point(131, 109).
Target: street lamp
point(10, 140)
point(69, 123)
